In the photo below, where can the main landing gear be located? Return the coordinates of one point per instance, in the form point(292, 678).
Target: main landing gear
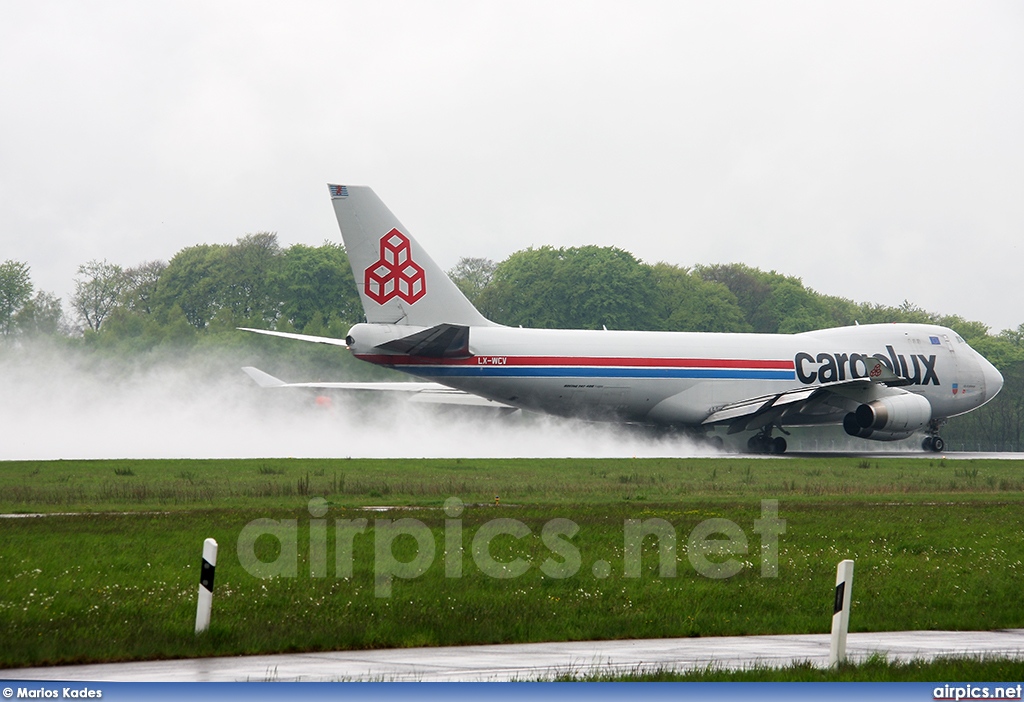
point(763, 442)
point(933, 442)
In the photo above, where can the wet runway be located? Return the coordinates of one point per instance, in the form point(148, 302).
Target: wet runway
point(542, 660)
point(950, 455)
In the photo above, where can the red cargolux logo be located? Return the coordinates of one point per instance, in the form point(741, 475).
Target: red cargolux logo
point(395, 273)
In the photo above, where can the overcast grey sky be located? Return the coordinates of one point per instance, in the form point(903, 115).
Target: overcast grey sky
point(873, 149)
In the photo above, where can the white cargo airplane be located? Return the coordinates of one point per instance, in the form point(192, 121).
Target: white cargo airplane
point(882, 381)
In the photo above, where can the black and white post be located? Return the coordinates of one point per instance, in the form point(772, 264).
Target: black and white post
point(205, 603)
point(841, 613)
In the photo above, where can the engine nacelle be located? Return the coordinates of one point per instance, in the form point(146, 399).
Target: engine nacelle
point(854, 429)
point(889, 418)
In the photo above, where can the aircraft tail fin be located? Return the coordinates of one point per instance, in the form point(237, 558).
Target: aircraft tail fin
point(398, 282)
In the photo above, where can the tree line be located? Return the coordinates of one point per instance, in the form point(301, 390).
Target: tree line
point(202, 291)
point(206, 291)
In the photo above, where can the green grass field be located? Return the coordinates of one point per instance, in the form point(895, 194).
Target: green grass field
point(112, 572)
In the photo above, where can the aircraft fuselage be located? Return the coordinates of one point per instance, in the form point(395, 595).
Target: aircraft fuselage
point(680, 378)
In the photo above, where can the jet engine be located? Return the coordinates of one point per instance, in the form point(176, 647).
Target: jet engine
point(889, 418)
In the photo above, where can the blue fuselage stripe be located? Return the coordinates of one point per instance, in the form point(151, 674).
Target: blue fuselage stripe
point(584, 372)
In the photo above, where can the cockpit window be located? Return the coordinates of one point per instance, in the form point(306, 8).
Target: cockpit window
point(960, 339)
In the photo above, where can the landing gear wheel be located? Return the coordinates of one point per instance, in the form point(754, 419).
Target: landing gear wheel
point(765, 444)
point(932, 440)
point(716, 442)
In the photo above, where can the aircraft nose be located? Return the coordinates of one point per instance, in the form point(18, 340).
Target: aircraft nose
point(993, 379)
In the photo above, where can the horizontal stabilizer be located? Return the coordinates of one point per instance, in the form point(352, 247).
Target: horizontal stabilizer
point(264, 380)
point(442, 341)
point(433, 393)
point(299, 337)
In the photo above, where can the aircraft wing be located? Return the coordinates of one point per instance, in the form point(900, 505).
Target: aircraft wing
point(757, 405)
point(433, 393)
point(807, 404)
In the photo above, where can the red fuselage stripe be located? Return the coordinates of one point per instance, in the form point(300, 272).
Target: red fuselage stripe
point(601, 361)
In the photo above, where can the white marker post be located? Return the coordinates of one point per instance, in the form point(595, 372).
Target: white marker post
point(205, 603)
point(841, 613)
